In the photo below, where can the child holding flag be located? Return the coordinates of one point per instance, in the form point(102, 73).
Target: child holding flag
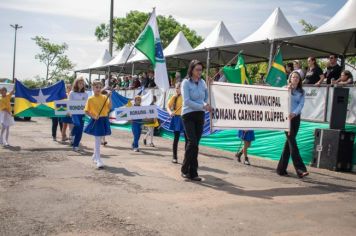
point(98, 107)
point(6, 118)
point(136, 127)
point(151, 126)
point(67, 120)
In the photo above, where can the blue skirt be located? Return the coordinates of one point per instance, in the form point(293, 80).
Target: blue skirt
point(176, 124)
point(66, 119)
point(99, 128)
point(246, 135)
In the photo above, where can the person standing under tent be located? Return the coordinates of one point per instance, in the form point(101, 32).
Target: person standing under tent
point(174, 108)
point(195, 98)
point(314, 73)
point(290, 146)
point(333, 71)
point(298, 68)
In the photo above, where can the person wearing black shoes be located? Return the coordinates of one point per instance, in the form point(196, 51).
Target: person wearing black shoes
point(195, 98)
point(247, 136)
point(174, 108)
point(290, 146)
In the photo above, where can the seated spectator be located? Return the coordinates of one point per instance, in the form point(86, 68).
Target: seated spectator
point(135, 83)
point(345, 78)
point(314, 73)
point(125, 83)
point(151, 80)
point(144, 82)
point(178, 78)
point(333, 70)
point(298, 68)
point(289, 68)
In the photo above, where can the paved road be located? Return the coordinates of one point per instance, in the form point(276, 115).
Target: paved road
point(47, 189)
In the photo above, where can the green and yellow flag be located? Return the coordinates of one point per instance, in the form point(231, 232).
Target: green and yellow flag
point(238, 74)
point(277, 76)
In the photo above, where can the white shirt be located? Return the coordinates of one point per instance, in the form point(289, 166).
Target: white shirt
point(78, 96)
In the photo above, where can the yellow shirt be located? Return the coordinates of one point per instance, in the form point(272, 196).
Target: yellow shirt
point(95, 103)
point(5, 103)
point(179, 104)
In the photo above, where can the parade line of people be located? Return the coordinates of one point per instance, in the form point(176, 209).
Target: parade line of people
point(187, 110)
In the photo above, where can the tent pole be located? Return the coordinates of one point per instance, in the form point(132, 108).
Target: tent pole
point(271, 54)
point(133, 69)
point(207, 65)
point(89, 78)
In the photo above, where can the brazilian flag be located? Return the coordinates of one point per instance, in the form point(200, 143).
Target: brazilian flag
point(238, 74)
point(277, 76)
point(37, 102)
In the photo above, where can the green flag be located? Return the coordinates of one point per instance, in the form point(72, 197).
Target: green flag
point(149, 43)
point(238, 74)
point(277, 76)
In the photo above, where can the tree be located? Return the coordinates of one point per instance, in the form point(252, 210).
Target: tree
point(307, 27)
point(53, 56)
point(127, 29)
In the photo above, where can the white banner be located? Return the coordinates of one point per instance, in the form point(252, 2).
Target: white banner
point(237, 106)
point(69, 107)
point(314, 105)
point(136, 112)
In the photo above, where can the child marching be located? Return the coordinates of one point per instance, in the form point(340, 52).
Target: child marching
point(78, 94)
point(174, 108)
point(97, 108)
point(136, 127)
point(150, 127)
point(67, 120)
point(6, 118)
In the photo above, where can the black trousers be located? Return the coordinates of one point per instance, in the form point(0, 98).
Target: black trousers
point(175, 143)
point(55, 122)
point(291, 149)
point(193, 125)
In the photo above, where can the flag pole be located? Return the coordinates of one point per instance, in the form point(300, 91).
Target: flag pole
point(273, 58)
point(122, 67)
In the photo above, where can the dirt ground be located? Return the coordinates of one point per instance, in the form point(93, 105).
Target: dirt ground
point(47, 189)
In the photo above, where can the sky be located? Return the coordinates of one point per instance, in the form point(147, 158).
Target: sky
point(74, 22)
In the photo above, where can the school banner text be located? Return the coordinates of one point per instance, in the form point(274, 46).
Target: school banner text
point(236, 106)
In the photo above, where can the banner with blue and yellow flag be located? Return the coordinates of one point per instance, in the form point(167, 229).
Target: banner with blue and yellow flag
point(37, 102)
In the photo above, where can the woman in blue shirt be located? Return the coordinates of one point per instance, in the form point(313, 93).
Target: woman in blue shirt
point(195, 98)
point(290, 146)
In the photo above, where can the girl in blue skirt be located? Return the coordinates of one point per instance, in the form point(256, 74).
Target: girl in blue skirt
point(174, 108)
point(98, 107)
point(247, 136)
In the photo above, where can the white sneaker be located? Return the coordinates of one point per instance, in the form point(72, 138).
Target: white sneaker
point(76, 149)
point(6, 144)
point(94, 158)
point(136, 150)
point(99, 164)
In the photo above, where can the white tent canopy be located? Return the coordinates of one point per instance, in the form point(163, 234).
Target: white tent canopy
point(220, 36)
point(121, 56)
point(179, 44)
point(104, 58)
point(344, 19)
point(275, 27)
